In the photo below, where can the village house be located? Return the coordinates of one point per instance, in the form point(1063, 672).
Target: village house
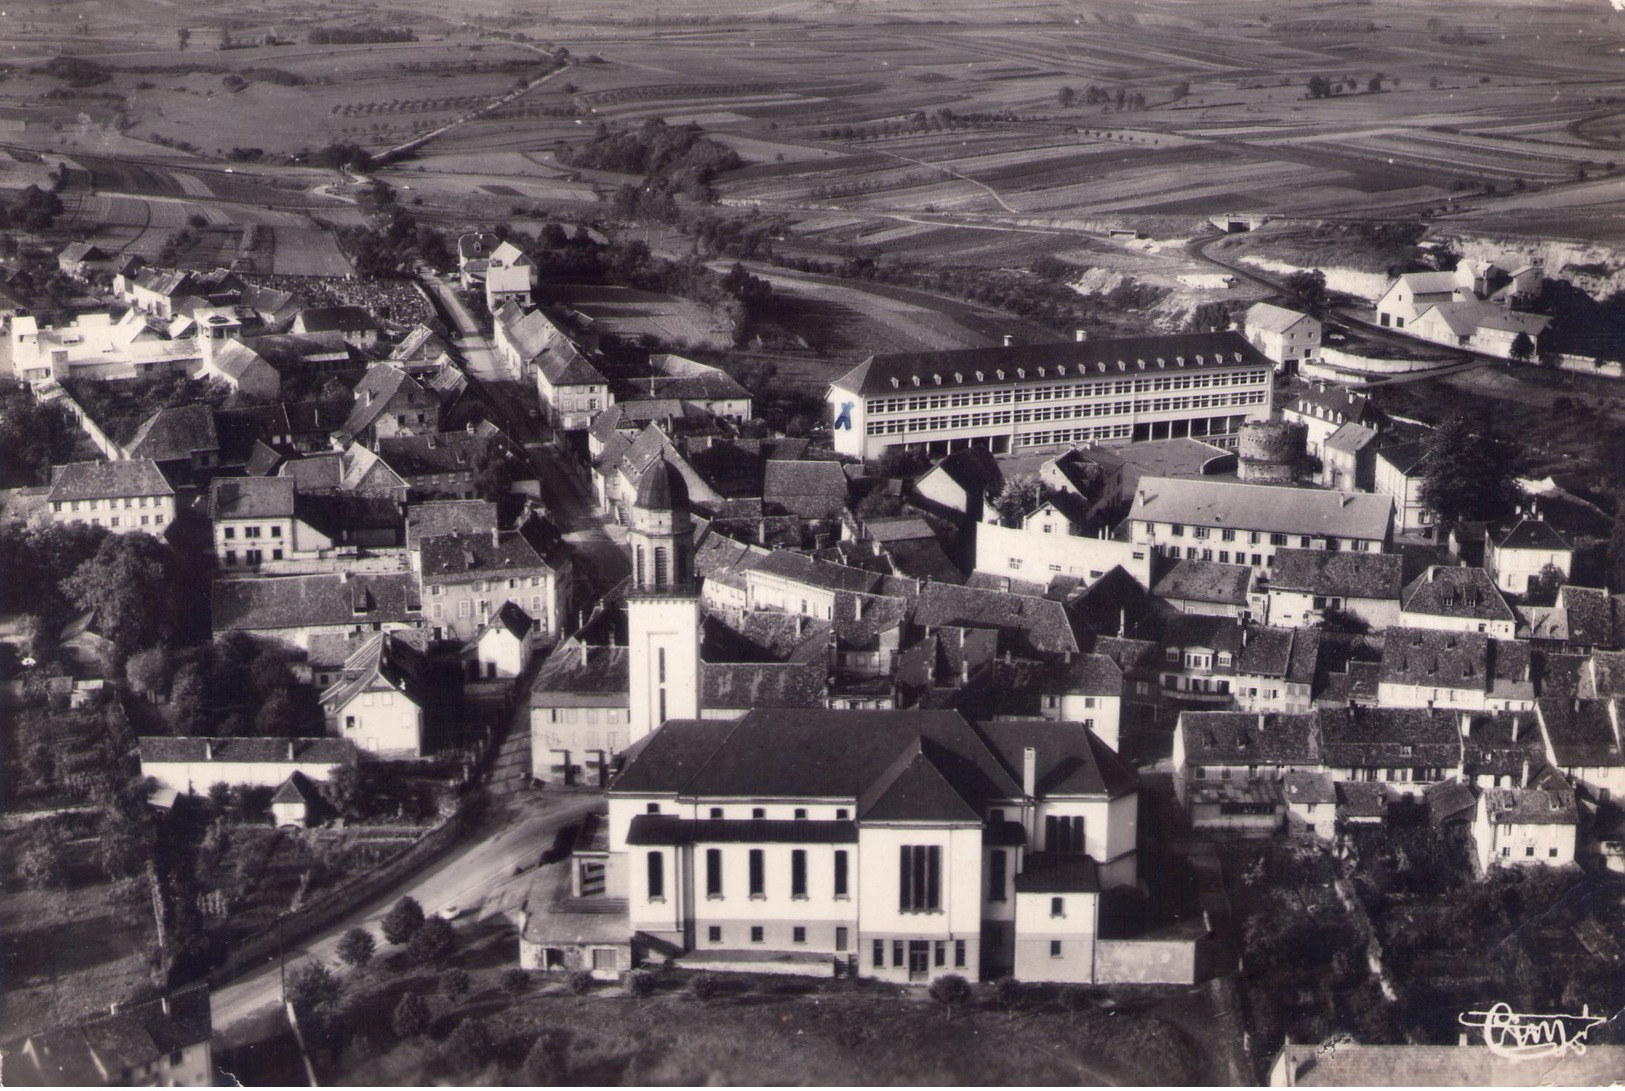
point(1033, 554)
point(1520, 555)
point(1234, 522)
point(1033, 395)
point(474, 257)
point(1443, 668)
point(905, 845)
point(467, 578)
point(442, 465)
point(293, 609)
point(162, 1042)
point(94, 346)
point(510, 276)
point(1398, 474)
point(1401, 749)
point(1286, 336)
point(260, 519)
point(1307, 584)
point(1522, 827)
point(571, 390)
point(1582, 737)
point(123, 496)
point(182, 440)
point(501, 649)
point(1229, 767)
point(379, 702)
point(354, 324)
point(191, 766)
point(1457, 599)
point(1348, 459)
point(81, 260)
point(241, 368)
point(389, 402)
point(579, 713)
point(696, 385)
point(1207, 587)
point(1323, 410)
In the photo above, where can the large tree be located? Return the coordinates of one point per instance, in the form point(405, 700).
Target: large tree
point(128, 584)
point(1468, 472)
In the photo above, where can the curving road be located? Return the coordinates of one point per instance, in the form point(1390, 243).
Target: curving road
point(516, 835)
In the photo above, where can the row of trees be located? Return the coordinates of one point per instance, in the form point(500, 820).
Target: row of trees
point(1122, 98)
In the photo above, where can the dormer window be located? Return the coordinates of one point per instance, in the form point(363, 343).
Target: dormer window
point(1060, 369)
point(959, 376)
point(979, 376)
point(999, 374)
point(896, 382)
point(936, 377)
point(1140, 364)
point(1179, 360)
point(1122, 365)
point(1198, 359)
point(916, 380)
point(1040, 373)
point(1021, 373)
point(1238, 357)
point(1100, 365)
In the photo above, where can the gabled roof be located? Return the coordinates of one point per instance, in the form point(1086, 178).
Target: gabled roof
point(680, 377)
point(1530, 807)
point(1592, 616)
point(251, 498)
point(1533, 534)
point(177, 433)
point(1427, 283)
point(98, 480)
point(1205, 581)
point(1356, 738)
point(1062, 766)
point(1351, 437)
point(763, 685)
point(1273, 508)
point(1581, 733)
point(298, 788)
point(323, 600)
point(454, 558)
point(1045, 873)
point(578, 668)
point(1035, 625)
point(1339, 404)
point(543, 344)
point(169, 749)
point(1406, 458)
point(1341, 573)
point(1267, 316)
point(1087, 674)
point(1456, 592)
point(1500, 743)
point(438, 518)
point(431, 453)
point(342, 319)
point(1061, 361)
point(382, 662)
point(107, 1048)
point(811, 489)
point(373, 393)
point(1222, 634)
point(510, 618)
point(235, 359)
point(1436, 658)
point(1250, 738)
point(800, 568)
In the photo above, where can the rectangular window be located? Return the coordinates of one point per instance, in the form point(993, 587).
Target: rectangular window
point(713, 873)
point(840, 873)
point(715, 933)
point(878, 954)
point(798, 873)
point(1057, 907)
point(798, 934)
point(756, 933)
point(959, 954)
point(1063, 833)
point(920, 878)
point(941, 958)
point(897, 953)
point(997, 880)
point(716, 812)
point(657, 876)
point(231, 532)
point(840, 938)
point(1054, 948)
point(756, 874)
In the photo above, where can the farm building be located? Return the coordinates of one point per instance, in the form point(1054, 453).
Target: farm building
point(1204, 385)
point(1288, 337)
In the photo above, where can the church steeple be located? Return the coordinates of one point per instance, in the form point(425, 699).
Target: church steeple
point(662, 534)
point(662, 609)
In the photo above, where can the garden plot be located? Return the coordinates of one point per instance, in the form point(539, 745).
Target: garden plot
point(307, 252)
point(632, 315)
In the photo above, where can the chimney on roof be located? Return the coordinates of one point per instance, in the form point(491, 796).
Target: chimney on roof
point(208, 750)
point(112, 1009)
point(164, 1003)
point(496, 537)
point(1523, 781)
point(1009, 339)
point(290, 749)
point(1467, 726)
point(1080, 335)
point(1261, 723)
point(1029, 771)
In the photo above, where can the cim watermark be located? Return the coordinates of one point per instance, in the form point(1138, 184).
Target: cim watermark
point(1522, 1037)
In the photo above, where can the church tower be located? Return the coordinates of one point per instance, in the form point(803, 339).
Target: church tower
point(662, 607)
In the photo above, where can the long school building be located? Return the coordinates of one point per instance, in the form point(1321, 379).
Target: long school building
point(1203, 385)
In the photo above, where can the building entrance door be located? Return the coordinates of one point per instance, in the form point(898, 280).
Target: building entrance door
point(919, 959)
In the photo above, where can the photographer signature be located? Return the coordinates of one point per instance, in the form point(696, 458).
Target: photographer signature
point(1520, 1037)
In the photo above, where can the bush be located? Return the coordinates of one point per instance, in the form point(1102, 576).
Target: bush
point(515, 981)
point(951, 991)
point(313, 988)
point(470, 1046)
point(431, 943)
point(412, 1016)
point(454, 983)
point(402, 922)
point(356, 948)
point(640, 984)
point(705, 986)
point(544, 1065)
point(1074, 998)
point(581, 982)
point(1010, 993)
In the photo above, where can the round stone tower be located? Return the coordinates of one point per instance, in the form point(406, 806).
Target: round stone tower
point(1270, 451)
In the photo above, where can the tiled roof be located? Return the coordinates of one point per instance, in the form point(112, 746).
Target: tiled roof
point(1222, 634)
point(577, 668)
point(725, 560)
point(1533, 534)
point(437, 518)
point(543, 344)
point(678, 377)
point(1361, 799)
point(434, 453)
point(1404, 457)
point(1267, 652)
point(1355, 738)
point(802, 569)
point(1436, 658)
point(511, 618)
point(107, 1048)
point(251, 498)
point(175, 434)
point(1087, 674)
point(1428, 283)
point(812, 490)
point(1457, 592)
point(900, 528)
point(1593, 617)
point(381, 383)
point(1250, 738)
point(99, 480)
point(1351, 437)
point(1033, 625)
point(1061, 361)
point(236, 359)
point(1205, 502)
point(860, 619)
point(1205, 581)
point(1530, 807)
point(1500, 743)
point(762, 685)
point(165, 749)
point(973, 469)
point(1305, 656)
point(1343, 573)
point(455, 558)
point(298, 788)
point(1338, 404)
point(1581, 733)
point(1267, 316)
point(1301, 786)
point(816, 754)
point(381, 662)
point(323, 600)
